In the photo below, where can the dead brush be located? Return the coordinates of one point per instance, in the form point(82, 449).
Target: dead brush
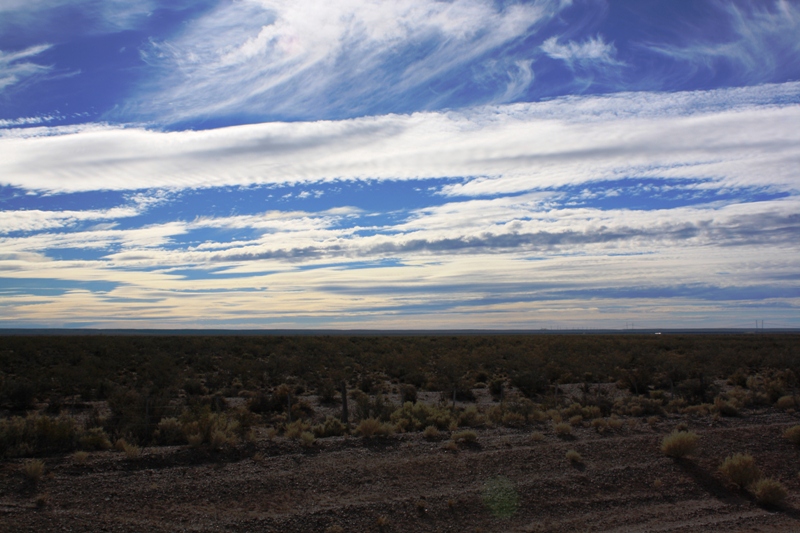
point(467, 437)
point(431, 433)
point(679, 444)
point(574, 457)
point(793, 434)
point(563, 430)
point(768, 491)
point(740, 469)
point(33, 469)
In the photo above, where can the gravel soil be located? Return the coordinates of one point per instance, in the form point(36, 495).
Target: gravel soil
point(505, 481)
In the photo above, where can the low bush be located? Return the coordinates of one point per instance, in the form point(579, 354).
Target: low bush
point(740, 469)
point(786, 402)
point(471, 417)
point(574, 457)
point(563, 430)
point(307, 439)
point(80, 457)
point(33, 469)
point(37, 434)
point(793, 434)
point(169, 432)
point(332, 427)
point(95, 439)
point(466, 436)
point(372, 427)
point(768, 491)
point(417, 416)
point(679, 444)
point(431, 433)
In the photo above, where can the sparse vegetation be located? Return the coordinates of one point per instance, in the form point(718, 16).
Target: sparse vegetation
point(740, 469)
point(574, 457)
point(562, 430)
point(768, 491)
point(793, 434)
point(80, 457)
point(226, 397)
point(33, 469)
point(465, 436)
point(679, 444)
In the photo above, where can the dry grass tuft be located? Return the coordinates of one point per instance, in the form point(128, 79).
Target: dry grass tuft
point(80, 457)
point(307, 439)
point(679, 444)
point(740, 469)
point(450, 446)
point(574, 457)
point(382, 521)
point(768, 491)
point(537, 436)
point(372, 427)
point(132, 451)
point(465, 436)
point(563, 430)
point(33, 469)
point(431, 433)
point(793, 434)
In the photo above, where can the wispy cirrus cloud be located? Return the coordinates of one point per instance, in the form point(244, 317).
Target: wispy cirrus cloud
point(16, 67)
point(274, 58)
point(739, 137)
point(755, 42)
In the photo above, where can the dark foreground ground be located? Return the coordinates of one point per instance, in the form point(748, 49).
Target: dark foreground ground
point(506, 481)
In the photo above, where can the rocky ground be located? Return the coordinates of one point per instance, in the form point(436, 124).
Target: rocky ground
point(508, 480)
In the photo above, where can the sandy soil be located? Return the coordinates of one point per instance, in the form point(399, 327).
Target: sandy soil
point(507, 481)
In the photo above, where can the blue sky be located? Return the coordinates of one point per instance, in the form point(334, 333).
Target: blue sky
point(411, 164)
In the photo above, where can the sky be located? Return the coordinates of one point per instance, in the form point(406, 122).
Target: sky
point(402, 164)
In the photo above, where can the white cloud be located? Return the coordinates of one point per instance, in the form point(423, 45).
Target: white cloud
point(764, 41)
point(735, 137)
point(14, 69)
point(273, 57)
point(96, 15)
point(37, 220)
point(592, 52)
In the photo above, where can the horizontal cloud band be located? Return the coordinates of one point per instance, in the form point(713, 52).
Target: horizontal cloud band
point(738, 136)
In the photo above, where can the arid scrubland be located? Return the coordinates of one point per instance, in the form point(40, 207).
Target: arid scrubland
point(686, 406)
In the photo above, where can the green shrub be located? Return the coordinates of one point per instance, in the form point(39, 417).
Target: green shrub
point(740, 469)
point(679, 444)
point(768, 491)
